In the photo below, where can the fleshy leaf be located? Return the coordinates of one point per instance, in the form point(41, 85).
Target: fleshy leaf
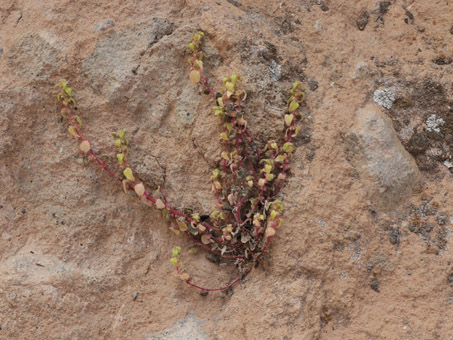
point(128, 174)
point(184, 276)
point(85, 146)
point(194, 76)
point(139, 189)
point(199, 63)
point(293, 106)
point(269, 232)
point(205, 239)
point(182, 226)
point(289, 119)
point(160, 204)
point(120, 158)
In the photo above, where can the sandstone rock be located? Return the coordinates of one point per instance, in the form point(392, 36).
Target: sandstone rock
point(385, 167)
point(188, 328)
point(117, 55)
point(33, 57)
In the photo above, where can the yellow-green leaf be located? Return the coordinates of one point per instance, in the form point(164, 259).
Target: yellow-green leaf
point(128, 174)
point(182, 226)
point(229, 86)
point(288, 147)
point(191, 47)
point(224, 136)
point(120, 158)
point(184, 276)
point(73, 132)
point(293, 106)
point(296, 132)
point(176, 251)
point(199, 63)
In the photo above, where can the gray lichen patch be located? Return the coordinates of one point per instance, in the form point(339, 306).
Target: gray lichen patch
point(384, 97)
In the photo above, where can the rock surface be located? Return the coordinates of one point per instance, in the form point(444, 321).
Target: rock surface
point(384, 166)
point(361, 254)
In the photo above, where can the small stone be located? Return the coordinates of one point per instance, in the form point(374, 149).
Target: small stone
point(313, 84)
point(387, 170)
point(362, 21)
point(103, 26)
point(375, 285)
point(421, 29)
point(235, 3)
point(24, 211)
point(395, 236)
point(275, 70)
point(441, 219)
point(324, 7)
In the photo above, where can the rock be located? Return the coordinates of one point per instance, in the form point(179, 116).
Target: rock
point(188, 328)
point(33, 57)
point(362, 21)
point(385, 167)
point(103, 26)
point(117, 54)
point(275, 71)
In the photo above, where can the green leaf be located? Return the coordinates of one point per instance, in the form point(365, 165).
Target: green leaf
point(78, 119)
point(120, 158)
point(174, 261)
point(229, 86)
point(182, 225)
point(280, 159)
point(176, 251)
point(199, 63)
point(128, 174)
point(223, 136)
point(118, 143)
point(288, 147)
point(73, 132)
point(293, 106)
point(68, 91)
point(191, 47)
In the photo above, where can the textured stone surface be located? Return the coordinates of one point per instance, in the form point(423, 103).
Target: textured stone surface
point(79, 259)
point(188, 328)
point(387, 169)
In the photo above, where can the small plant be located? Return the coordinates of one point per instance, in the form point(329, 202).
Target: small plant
point(246, 183)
